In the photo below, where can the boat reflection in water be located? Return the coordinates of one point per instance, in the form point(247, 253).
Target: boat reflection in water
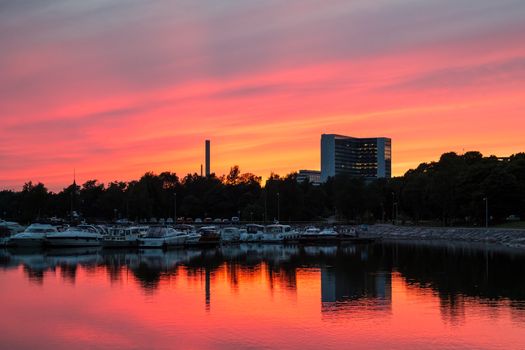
point(252, 295)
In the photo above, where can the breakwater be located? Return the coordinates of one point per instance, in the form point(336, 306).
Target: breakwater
point(508, 237)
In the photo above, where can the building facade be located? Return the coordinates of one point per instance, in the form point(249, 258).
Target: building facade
point(368, 158)
point(313, 176)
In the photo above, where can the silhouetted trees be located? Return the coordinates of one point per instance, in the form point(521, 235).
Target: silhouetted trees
point(450, 191)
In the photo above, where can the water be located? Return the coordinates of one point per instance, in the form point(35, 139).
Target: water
point(389, 296)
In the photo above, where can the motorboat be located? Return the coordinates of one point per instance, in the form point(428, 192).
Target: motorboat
point(11, 226)
point(33, 236)
point(316, 235)
point(192, 236)
point(77, 236)
point(253, 233)
point(280, 233)
point(124, 237)
point(209, 235)
point(230, 234)
point(162, 237)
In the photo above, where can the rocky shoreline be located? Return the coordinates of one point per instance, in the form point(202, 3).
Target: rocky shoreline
point(508, 237)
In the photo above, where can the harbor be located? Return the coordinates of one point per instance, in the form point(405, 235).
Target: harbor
point(164, 236)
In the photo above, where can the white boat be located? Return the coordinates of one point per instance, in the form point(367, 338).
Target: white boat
point(230, 234)
point(77, 236)
point(253, 233)
point(162, 237)
point(124, 236)
point(33, 236)
point(280, 233)
point(13, 227)
point(316, 235)
point(7, 229)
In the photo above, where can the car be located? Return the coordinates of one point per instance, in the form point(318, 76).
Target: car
point(208, 220)
point(188, 220)
point(217, 221)
point(225, 221)
point(235, 219)
point(198, 221)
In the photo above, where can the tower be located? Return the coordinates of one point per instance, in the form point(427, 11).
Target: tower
point(207, 146)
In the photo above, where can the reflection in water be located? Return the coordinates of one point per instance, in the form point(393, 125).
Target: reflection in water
point(349, 283)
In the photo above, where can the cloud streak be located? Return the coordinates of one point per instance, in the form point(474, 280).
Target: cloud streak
point(116, 88)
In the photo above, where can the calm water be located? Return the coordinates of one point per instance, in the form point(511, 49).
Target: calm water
point(391, 296)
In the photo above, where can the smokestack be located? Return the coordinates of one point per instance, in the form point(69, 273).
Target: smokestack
point(207, 157)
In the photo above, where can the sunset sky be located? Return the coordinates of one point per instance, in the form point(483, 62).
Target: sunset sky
point(115, 88)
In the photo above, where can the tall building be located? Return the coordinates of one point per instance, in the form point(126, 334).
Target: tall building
point(368, 158)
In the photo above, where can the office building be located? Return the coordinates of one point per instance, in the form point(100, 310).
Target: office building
point(313, 176)
point(368, 158)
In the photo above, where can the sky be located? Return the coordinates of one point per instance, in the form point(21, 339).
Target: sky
point(115, 88)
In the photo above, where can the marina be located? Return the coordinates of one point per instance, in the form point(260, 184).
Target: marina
point(165, 236)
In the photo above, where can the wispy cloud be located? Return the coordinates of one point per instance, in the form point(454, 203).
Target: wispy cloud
point(118, 87)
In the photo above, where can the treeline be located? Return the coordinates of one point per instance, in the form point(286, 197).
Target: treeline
point(452, 191)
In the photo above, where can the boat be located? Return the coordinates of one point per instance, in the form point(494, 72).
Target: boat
point(11, 226)
point(209, 235)
point(230, 234)
point(5, 234)
point(124, 237)
point(33, 236)
point(253, 233)
point(77, 236)
point(280, 233)
point(162, 237)
point(316, 235)
point(192, 236)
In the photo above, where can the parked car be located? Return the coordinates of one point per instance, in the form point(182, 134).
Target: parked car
point(235, 219)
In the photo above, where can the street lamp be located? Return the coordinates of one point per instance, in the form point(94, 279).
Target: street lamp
point(265, 205)
point(175, 207)
point(278, 207)
point(394, 204)
point(486, 200)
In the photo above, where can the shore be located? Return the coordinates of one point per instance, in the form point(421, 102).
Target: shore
point(504, 236)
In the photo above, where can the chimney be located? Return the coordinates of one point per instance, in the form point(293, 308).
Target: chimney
point(207, 157)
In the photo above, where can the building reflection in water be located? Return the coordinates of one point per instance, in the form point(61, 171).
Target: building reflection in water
point(349, 276)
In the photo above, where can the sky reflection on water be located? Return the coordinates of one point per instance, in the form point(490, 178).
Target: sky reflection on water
point(252, 296)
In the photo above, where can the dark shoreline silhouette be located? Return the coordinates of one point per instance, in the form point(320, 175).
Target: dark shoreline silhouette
point(457, 190)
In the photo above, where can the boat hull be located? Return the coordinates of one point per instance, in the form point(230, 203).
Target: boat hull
point(73, 242)
point(108, 243)
point(26, 242)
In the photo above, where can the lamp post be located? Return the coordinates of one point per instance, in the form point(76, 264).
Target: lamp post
point(265, 206)
point(278, 207)
point(486, 200)
point(394, 204)
point(175, 207)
